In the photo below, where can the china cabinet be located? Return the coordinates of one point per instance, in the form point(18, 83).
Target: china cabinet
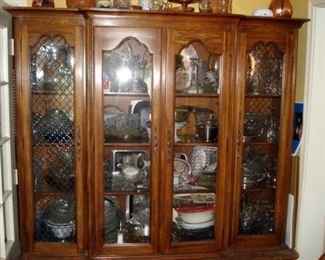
point(160, 135)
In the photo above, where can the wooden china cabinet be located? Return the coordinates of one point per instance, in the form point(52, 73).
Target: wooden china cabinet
point(153, 135)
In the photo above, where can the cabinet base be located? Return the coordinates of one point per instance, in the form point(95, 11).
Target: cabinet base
point(282, 254)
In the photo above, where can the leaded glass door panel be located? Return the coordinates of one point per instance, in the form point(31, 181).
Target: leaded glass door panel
point(264, 77)
point(50, 128)
point(263, 141)
point(53, 143)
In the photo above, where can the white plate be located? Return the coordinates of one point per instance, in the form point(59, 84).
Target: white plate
point(197, 225)
point(197, 217)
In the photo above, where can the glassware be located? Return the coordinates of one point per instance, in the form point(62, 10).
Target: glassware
point(146, 4)
point(264, 70)
point(222, 6)
point(273, 132)
point(57, 127)
point(112, 219)
point(52, 63)
point(158, 4)
point(104, 3)
point(61, 172)
point(122, 4)
point(281, 8)
point(127, 68)
point(205, 6)
point(255, 126)
point(194, 87)
point(184, 4)
point(59, 218)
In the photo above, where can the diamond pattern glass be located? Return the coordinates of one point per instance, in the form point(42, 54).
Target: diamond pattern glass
point(261, 124)
point(52, 127)
point(264, 65)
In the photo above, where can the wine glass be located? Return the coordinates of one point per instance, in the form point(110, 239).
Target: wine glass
point(184, 4)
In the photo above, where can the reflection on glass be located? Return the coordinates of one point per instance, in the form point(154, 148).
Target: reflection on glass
point(52, 128)
point(197, 71)
point(127, 68)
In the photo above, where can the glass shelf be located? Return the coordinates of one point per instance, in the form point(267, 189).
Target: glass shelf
point(126, 94)
point(196, 95)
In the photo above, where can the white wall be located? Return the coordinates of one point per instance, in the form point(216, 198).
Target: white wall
point(16, 2)
point(311, 210)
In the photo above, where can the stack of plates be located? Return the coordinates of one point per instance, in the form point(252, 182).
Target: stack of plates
point(196, 218)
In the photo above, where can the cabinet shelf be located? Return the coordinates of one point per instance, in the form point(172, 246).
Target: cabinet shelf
point(197, 95)
point(258, 190)
point(195, 144)
point(260, 144)
point(263, 96)
point(193, 191)
point(41, 195)
point(52, 92)
point(129, 145)
point(126, 94)
point(125, 193)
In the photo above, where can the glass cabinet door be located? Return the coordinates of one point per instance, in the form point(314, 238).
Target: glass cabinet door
point(262, 149)
point(55, 140)
point(264, 66)
point(125, 184)
point(196, 137)
point(196, 119)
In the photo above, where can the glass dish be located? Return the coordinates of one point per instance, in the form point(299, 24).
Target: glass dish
point(182, 172)
point(203, 159)
point(59, 218)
